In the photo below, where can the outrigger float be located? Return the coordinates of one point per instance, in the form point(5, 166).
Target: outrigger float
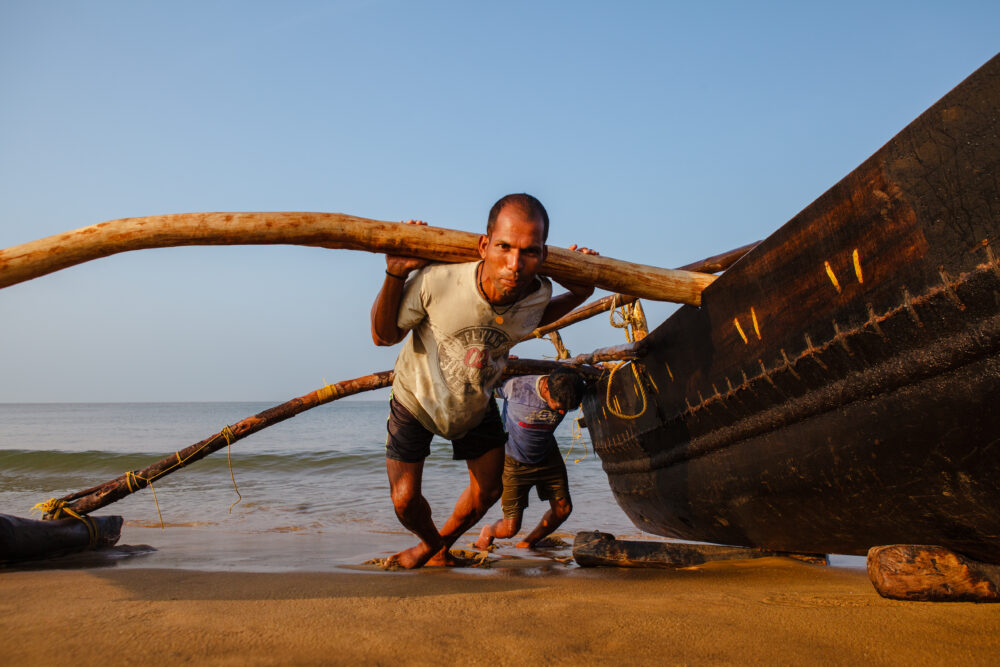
point(831, 392)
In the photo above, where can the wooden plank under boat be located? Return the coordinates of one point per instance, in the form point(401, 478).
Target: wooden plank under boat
point(836, 390)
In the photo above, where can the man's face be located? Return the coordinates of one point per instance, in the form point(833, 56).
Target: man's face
point(555, 405)
point(511, 255)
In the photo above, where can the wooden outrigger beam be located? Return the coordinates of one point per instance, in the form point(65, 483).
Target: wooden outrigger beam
point(328, 230)
point(713, 264)
point(94, 498)
point(88, 500)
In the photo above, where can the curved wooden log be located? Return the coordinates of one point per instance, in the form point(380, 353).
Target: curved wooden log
point(327, 230)
point(543, 366)
point(720, 262)
point(88, 500)
point(26, 539)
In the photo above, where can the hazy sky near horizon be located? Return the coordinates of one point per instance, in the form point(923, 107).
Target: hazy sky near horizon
point(656, 132)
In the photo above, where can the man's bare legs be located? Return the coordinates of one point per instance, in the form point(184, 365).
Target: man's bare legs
point(559, 510)
point(503, 529)
point(479, 496)
point(413, 512)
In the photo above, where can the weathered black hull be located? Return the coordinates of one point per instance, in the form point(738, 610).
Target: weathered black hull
point(836, 390)
point(28, 539)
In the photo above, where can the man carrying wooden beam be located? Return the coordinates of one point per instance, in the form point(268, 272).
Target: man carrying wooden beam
point(464, 318)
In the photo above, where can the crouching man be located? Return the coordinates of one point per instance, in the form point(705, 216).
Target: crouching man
point(533, 408)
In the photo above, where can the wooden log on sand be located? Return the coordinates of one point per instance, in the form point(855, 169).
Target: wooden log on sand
point(26, 539)
point(597, 549)
point(931, 574)
point(328, 230)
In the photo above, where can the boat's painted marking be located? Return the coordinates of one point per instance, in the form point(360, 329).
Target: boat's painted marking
point(669, 372)
point(756, 327)
point(952, 294)
point(812, 351)
point(857, 266)
point(833, 277)
point(649, 376)
point(736, 321)
point(908, 303)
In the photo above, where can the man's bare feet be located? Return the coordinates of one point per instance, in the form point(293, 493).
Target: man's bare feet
point(485, 538)
point(413, 557)
point(446, 558)
point(524, 545)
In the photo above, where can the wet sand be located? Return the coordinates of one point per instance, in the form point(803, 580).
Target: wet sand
point(771, 610)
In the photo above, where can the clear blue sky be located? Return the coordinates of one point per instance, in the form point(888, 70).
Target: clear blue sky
point(656, 132)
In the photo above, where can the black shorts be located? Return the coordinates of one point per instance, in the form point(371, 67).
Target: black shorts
point(410, 442)
point(548, 477)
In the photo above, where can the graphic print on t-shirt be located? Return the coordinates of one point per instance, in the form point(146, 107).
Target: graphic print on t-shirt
point(471, 358)
point(544, 419)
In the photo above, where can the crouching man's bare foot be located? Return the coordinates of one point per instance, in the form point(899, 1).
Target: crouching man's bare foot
point(414, 557)
point(485, 538)
point(524, 545)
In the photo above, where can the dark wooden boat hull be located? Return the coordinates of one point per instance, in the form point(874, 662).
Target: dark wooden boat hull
point(27, 539)
point(836, 390)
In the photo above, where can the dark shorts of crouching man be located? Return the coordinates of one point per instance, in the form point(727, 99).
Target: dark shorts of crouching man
point(548, 477)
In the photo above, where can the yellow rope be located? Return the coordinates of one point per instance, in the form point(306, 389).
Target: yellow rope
point(55, 507)
point(132, 479)
point(615, 408)
point(633, 321)
point(228, 434)
point(577, 437)
point(327, 392)
point(157, 503)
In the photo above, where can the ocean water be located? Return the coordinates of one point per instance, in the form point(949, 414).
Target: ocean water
point(314, 489)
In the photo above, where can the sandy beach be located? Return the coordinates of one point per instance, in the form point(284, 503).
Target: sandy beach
point(772, 611)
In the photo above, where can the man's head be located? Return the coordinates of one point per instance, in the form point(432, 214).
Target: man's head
point(513, 247)
point(565, 389)
point(529, 206)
